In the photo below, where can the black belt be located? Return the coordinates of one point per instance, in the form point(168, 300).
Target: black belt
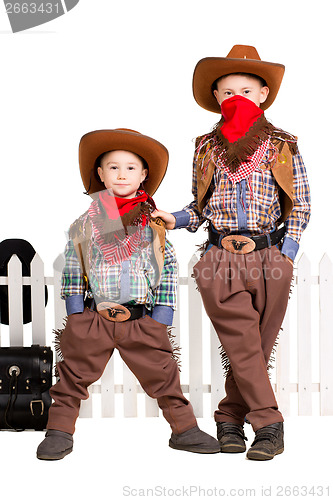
point(136, 311)
point(261, 240)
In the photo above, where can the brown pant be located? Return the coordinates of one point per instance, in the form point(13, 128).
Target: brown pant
point(87, 344)
point(246, 297)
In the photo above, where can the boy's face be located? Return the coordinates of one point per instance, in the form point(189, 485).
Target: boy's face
point(122, 172)
point(243, 85)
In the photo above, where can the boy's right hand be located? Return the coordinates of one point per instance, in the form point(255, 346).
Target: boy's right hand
point(169, 219)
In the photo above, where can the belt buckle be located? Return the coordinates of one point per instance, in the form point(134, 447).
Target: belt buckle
point(113, 311)
point(237, 243)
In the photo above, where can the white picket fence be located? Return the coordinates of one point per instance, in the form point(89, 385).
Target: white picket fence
point(302, 378)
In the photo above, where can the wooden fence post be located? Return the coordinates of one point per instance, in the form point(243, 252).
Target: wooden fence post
point(216, 371)
point(283, 367)
point(59, 304)
point(195, 343)
point(326, 335)
point(15, 305)
point(304, 336)
point(108, 390)
point(38, 300)
point(130, 393)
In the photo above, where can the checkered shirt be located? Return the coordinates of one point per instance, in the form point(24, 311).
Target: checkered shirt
point(146, 286)
point(260, 201)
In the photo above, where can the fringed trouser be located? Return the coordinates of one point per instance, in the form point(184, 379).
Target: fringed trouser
point(87, 344)
point(246, 297)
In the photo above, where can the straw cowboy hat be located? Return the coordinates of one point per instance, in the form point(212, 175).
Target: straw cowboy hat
point(93, 144)
point(241, 59)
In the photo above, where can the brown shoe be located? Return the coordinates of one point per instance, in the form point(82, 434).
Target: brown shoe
point(195, 441)
point(56, 445)
point(268, 442)
point(231, 437)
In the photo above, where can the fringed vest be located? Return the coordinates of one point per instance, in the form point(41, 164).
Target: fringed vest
point(281, 167)
point(80, 233)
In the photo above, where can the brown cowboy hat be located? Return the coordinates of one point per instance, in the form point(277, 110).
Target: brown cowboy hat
point(93, 144)
point(241, 59)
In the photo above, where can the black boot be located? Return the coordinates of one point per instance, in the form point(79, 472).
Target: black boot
point(231, 437)
point(268, 442)
point(194, 440)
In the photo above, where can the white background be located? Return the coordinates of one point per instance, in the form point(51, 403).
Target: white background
point(110, 64)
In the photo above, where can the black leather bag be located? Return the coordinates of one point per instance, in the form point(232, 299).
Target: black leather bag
point(25, 380)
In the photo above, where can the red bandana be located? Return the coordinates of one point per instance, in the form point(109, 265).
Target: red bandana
point(239, 115)
point(119, 229)
point(116, 207)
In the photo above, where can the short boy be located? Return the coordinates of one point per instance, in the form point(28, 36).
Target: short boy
point(119, 255)
point(250, 184)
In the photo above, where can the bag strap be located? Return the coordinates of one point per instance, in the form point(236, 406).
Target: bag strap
point(36, 403)
point(10, 402)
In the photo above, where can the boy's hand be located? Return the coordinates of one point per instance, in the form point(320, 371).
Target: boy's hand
point(169, 219)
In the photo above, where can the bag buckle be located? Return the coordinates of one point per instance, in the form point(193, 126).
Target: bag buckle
point(41, 402)
point(237, 243)
point(113, 311)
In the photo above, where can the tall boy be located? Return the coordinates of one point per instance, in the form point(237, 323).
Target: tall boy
point(250, 184)
point(118, 256)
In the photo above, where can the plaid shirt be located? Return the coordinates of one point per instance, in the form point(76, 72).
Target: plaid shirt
point(252, 205)
point(135, 281)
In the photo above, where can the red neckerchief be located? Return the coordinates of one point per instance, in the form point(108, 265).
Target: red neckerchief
point(115, 206)
point(239, 115)
point(118, 224)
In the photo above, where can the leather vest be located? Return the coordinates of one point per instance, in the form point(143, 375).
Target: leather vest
point(80, 233)
point(281, 167)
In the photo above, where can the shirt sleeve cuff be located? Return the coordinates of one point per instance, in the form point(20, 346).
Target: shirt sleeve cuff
point(163, 314)
point(289, 247)
point(182, 219)
point(74, 304)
